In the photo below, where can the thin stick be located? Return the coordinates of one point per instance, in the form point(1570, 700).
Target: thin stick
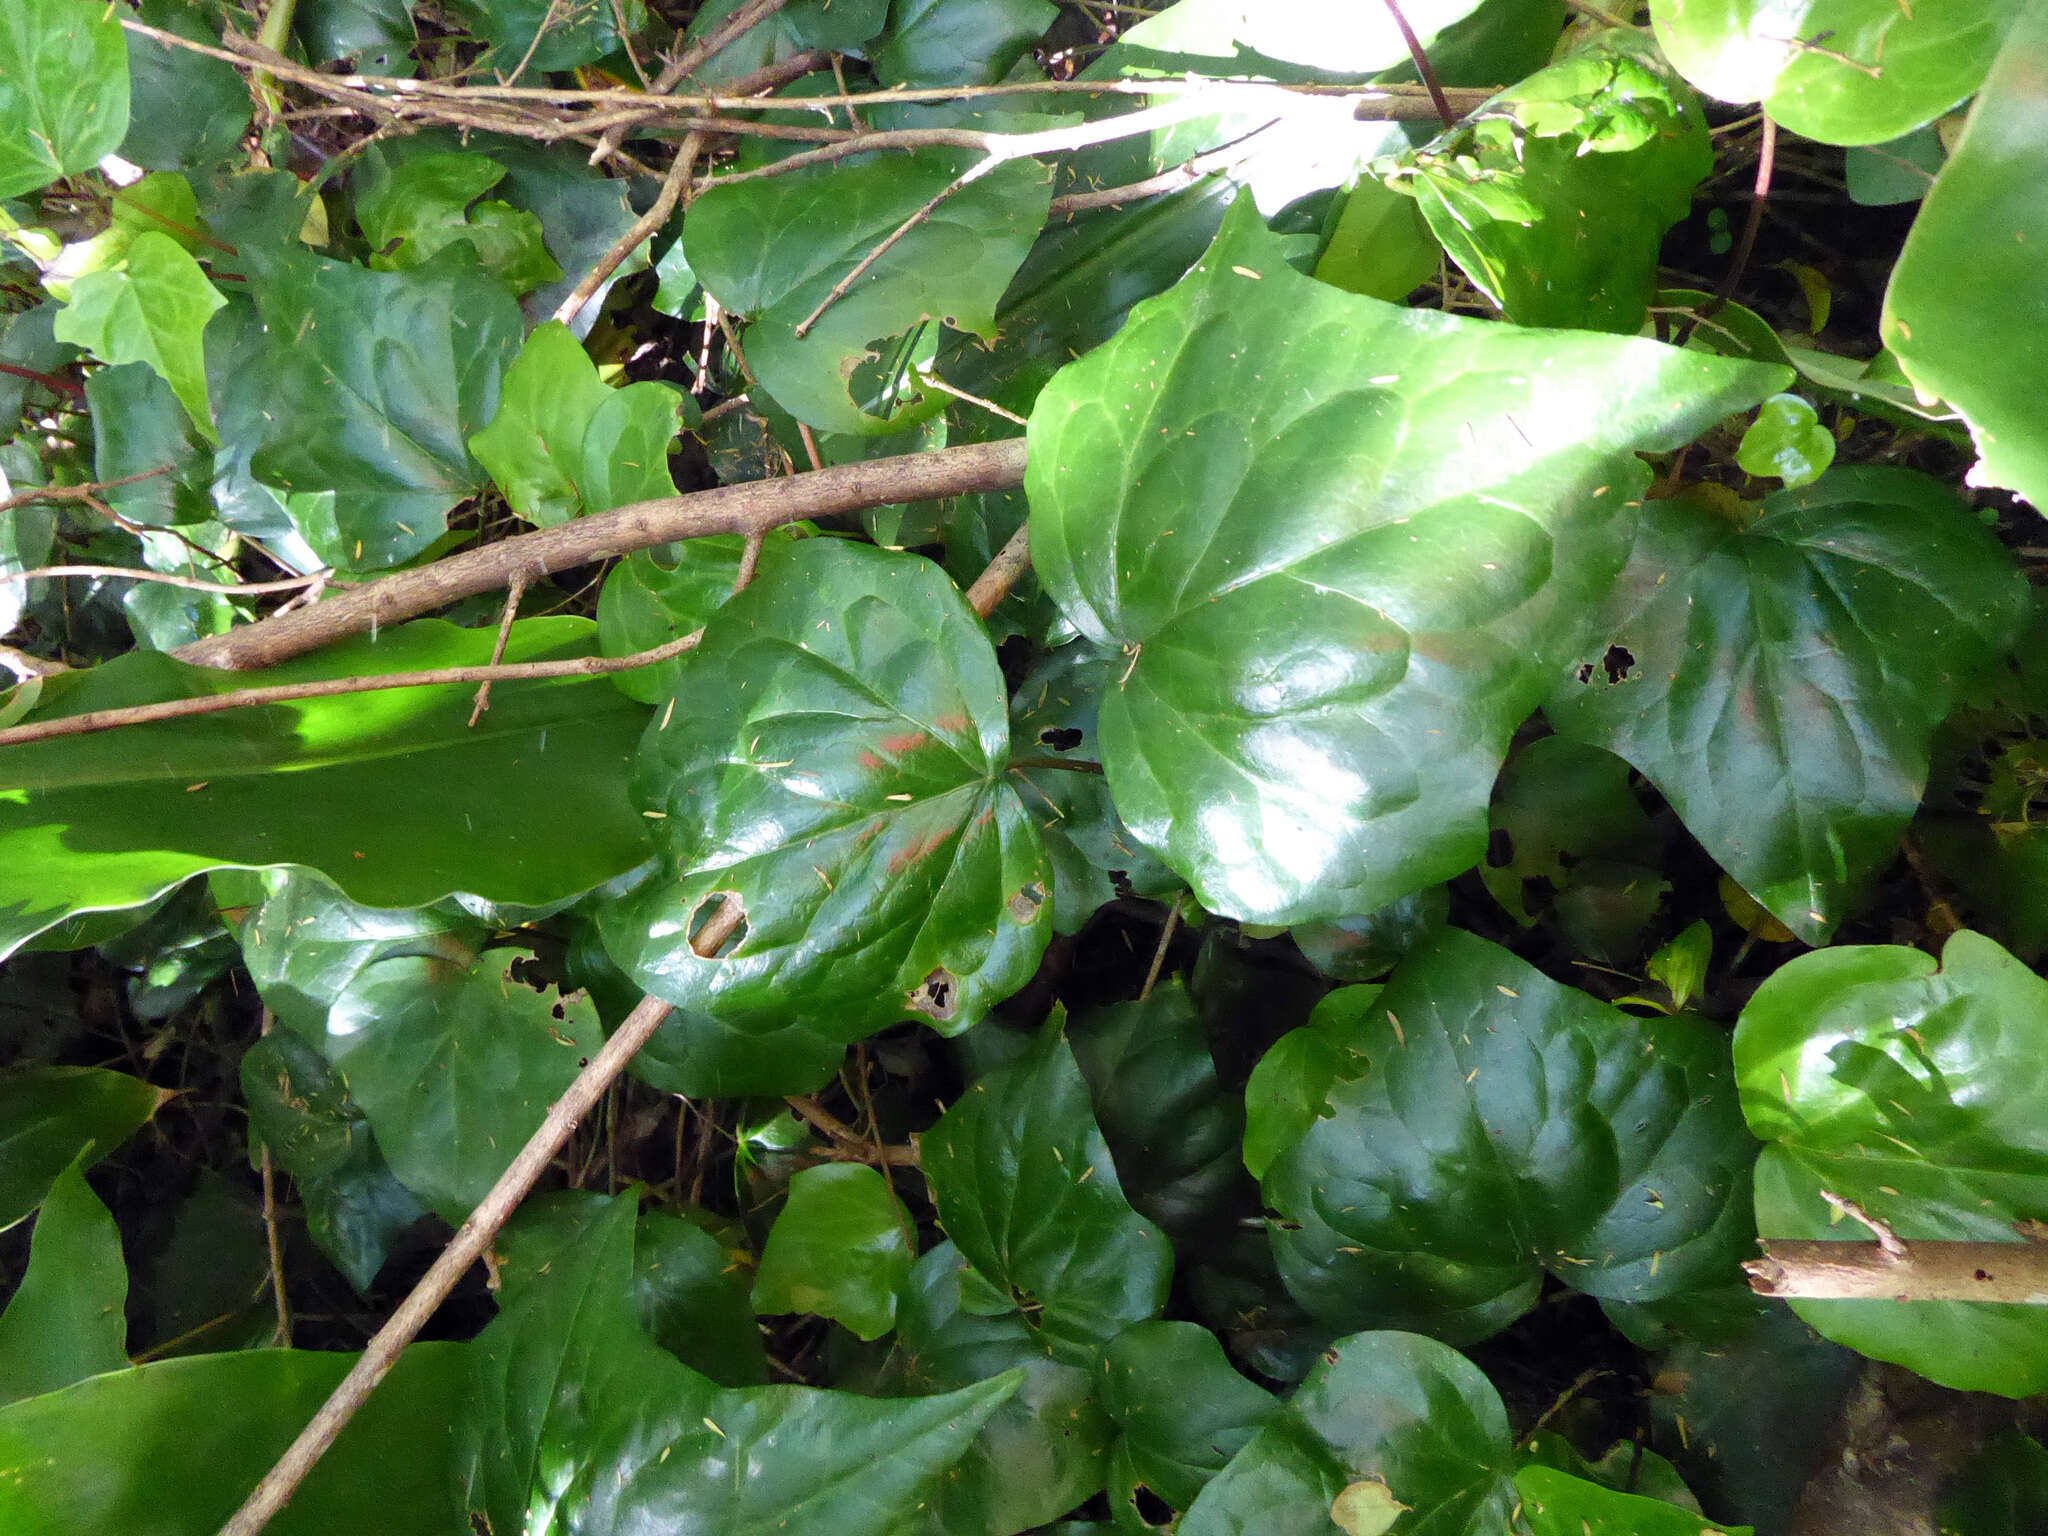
point(47, 380)
point(889, 241)
point(90, 491)
point(690, 60)
point(644, 228)
point(850, 1142)
point(468, 1244)
point(933, 381)
point(758, 505)
point(483, 689)
point(96, 720)
point(750, 562)
point(1010, 563)
point(163, 578)
point(281, 1336)
point(1422, 65)
point(2013, 1273)
point(1166, 933)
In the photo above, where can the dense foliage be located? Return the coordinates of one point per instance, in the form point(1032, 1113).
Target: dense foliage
point(1510, 776)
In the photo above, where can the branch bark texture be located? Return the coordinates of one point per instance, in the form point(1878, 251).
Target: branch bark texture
point(1922, 1271)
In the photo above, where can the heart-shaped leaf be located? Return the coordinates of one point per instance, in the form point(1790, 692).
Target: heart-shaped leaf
point(152, 310)
point(63, 91)
point(1342, 545)
point(840, 1249)
point(1181, 1412)
point(425, 203)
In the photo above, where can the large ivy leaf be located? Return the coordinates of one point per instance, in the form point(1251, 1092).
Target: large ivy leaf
point(152, 310)
point(63, 91)
point(1781, 683)
point(654, 596)
point(368, 384)
point(1920, 1093)
point(1842, 71)
point(424, 203)
point(391, 794)
point(1502, 1126)
point(1024, 1184)
point(1983, 216)
point(51, 1117)
point(171, 1448)
point(834, 753)
point(1554, 197)
point(577, 1415)
point(773, 249)
point(1181, 1413)
point(67, 1319)
point(958, 42)
point(841, 1249)
point(1343, 546)
point(188, 111)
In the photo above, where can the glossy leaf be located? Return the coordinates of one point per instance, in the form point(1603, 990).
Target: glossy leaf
point(1381, 246)
point(1841, 71)
point(138, 425)
point(1554, 198)
point(1339, 544)
point(958, 42)
point(773, 250)
point(63, 91)
point(154, 310)
point(840, 1249)
point(1916, 1092)
point(391, 794)
point(171, 1448)
point(654, 596)
point(1403, 1420)
point(835, 754)
point(1504, 1125)
point(1181, 1413)
point(1557, 1504)
point(1366, 947)
point(837, 25)
point(1787, 440)
point(1784, 680)
point(51, 1117)
point(693, 1300)
point(1982, 216)
point(422, 205)
point(187, 111)
point(66, 1320)
point(1289, 1089)
point(1024, 1183)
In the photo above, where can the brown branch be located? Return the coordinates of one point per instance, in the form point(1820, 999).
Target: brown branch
point(757, 506)
point(506, 618)
point(850, 1143)
point(88, 492)
point(687, 63)
point(1010, 563)
point(1924, 1271)
point(95, 720)
point(1422, 65)
point(644, 228)
point(47, 380)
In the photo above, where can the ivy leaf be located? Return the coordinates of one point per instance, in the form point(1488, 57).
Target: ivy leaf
point(391, 794)
point(1289, 1090)
point(138, 426)
point(1502, 1126)
point(63, 91)
point(1558, 1504)
point(837, 26)
point(1024, 1184)
point(1408, 1423)
point(654, 596)
point(188, 111)
point(53, 1117)
point(1962, 350)
point(1783, 682)
point(773, 249)
point(958, 42)
point(1366, 947)
point(840, 1249)
point(1841, 71)
point(1918, 1092)
point(1342, 546)
point(1181, 1413)
point(541, 37)
point(834, 754)
point(67, 1319)
point(1555, 196)
point(153, 310)
point(414, 209)
point(693, 1303)
point(367, 384)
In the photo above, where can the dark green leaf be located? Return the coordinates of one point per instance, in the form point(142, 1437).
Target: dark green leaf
point(1880, 175)
point(837, 25)
point(1289, 1089)
point(840, 1249)
point(391, 794)
point(209, 1283)
point(1024, 1184)
point(1983, 217)
point(2003, 1492)
point(1366, 947)
point(1504, 1126)
point(654, 596)
point(63, 91)
point(1922, 1095)
point(1341, 546)
point(693, 1299)
point(51, 1117)
point(1780, 684)
point(154, 310)
point(1181, 1413)
point(414, 209)
point(138, 426)
point(187, 110)
point(541, 36)
point(1557, 1504)
point(66, 1321)
point(835, 753)
point(370, 36)
point(958, 42)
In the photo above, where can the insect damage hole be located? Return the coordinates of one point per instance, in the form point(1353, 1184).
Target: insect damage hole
point(1061, 738)
point(1617, 662)
point(1025, 904)
point(718, 925)
point(937, 996)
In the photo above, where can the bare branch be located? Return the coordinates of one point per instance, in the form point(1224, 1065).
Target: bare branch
point(1010, 563)
point(165, 578)
point(1923, 1271)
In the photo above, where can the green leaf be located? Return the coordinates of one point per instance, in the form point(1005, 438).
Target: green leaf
point(1787, 440)
point(1094, 857)
point(1289, 1089)
point(957, 42)
point(1181, 1413)
point(1381, 246)
point(840, 1249)
point(2003, 1491)
point(391, 794)
point(139, 426)
point(1984, 217)
point(1782, 683)
point(67, 1319)
point(1504, 1126)
point(1557, 1504)
point(172, 1448)
point(1332, 36)
point(63, 91)
point(368, 384)
point(1901, 171)
point(1342, 546)
point(835, 25)
point(188, 111)
point(1841, 71)
point(53, 1117)
point(654, 596)
point(1402, 1420)
point(153, 311)
point(693, 1299)
point(773, 250)
point(834, 753)
point(1555, 196)
point(418, 207)
point(1922, 1095)
point(1366, 947)
point(370, 36)
point(1681, 965)
point(1024, 1184)
point(543, 37)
